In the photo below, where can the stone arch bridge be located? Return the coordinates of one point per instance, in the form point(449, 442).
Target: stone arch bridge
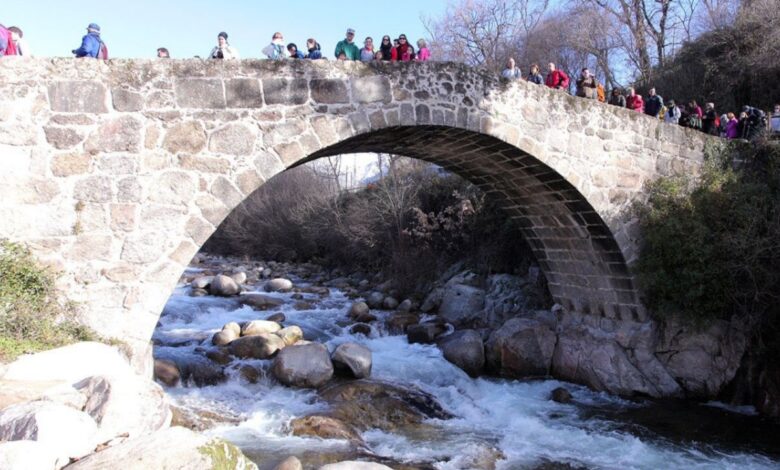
point(117, 172)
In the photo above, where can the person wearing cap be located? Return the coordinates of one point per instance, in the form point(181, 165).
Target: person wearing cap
point(163, 53)
point(347, 47)
point(223, 50)
point(276, 50)
point(90, 43)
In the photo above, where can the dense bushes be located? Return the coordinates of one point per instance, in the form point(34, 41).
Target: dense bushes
point(712, 246)
point(411, 223)
point(31, 317)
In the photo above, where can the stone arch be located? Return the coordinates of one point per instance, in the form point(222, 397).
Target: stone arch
point(120, 171)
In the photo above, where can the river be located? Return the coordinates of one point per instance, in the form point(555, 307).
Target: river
point(514, 417)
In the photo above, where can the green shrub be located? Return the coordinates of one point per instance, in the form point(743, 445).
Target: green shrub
point(711, 245)
point(32, 318)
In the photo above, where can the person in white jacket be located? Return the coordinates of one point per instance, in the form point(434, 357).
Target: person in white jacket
point(223, 50)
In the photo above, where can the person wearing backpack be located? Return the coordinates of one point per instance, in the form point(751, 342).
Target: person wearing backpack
point(556, 79)
point(92, 45)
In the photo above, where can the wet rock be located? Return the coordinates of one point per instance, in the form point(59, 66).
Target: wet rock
point(522, 347)
point(360, 312)
point(167, 372)
point(278, 285)
point(375, 299)
point(201, 282)
point(198, 292)
point(300, 306)
point(360, 328)
point(405, 306)
point(260, 346)
point(290, 463)
point(319, 290)
point(561, 395)
point(367, 404)
point(239, 277)
point(398, 323)
point(425, 333)
point(232, 326)
point(277, 317)
point(223, 286)
point(223, 337)
point(201, 419)
point(389, 303)
point(465, 349)
point(324, 427)
point(220, 356)
point(290, 335)
point(249, 373)
point(256, 327)
point(307, 366)
point(260, 302)
point(353, 360)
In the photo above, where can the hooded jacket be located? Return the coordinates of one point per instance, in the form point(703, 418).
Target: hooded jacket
point(314, 52)
point(90, 45)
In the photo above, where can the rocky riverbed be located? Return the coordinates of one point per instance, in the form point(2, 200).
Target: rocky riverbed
point(296, 361)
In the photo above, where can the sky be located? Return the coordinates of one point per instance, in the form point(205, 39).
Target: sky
point(136, 28)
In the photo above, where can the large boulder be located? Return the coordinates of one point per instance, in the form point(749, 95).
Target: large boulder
point(224, 286)
point(366, 404)
point(260, 301)
point(424, 333)
point(324, 427)
point(390, 303)
point(465, 349)
point(375, 299)
point(522, 347)
point(172, 448)
point(260, 346)
point(398, 323)
point(360, 312)
point(306, 365)
point(66, 432)
point(256, 327)
point(26, 455)
point(239, 277)
point(224, 337)
point(278, 285)
point(353, 360)
point(462, 302)
point(201, 282)
point(125, 405)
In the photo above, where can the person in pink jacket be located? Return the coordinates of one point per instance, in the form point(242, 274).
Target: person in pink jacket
point(634, 101)
point(423, 53)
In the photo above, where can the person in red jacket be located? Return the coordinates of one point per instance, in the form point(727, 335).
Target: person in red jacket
point(634, 101)
point(556, 78)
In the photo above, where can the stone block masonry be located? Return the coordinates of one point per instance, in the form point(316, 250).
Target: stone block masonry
point(116, 172)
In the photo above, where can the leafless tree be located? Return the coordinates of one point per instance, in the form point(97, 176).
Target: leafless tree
point(485, 32)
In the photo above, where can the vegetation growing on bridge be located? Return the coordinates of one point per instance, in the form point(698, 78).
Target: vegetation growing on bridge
point(712, 244)
point(32, 316)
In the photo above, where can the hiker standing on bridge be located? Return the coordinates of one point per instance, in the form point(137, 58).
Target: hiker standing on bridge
point(634, 101)
point(587, 87)
point(314, 49)
point(616, 98)
point(534, 76)
point(223, 49)
point(17, 36)
point(347, 47)
point(276, 50)
point(511, 72)
point(367, 52)
point(91, 44)
point(654, 103)
point(556, 79)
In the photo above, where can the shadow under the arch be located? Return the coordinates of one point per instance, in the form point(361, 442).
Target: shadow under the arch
point(575, 248)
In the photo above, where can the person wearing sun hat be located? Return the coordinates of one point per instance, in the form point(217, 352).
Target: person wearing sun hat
point(347, 47)
point(90, 43)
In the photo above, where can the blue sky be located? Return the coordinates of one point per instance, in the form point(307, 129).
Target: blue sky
point(137, 28)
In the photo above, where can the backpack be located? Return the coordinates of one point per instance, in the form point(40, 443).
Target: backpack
point(102, 51)
point(601, 93)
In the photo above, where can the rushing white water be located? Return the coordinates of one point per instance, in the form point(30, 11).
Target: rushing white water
point(516, 417)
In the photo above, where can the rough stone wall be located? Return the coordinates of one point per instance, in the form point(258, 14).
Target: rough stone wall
point(117, 172)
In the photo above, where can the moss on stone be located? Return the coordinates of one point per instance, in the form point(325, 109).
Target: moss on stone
point(225, 456)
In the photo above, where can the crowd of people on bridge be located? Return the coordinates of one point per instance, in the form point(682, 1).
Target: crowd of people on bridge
point(749, 123)
point(743, 125)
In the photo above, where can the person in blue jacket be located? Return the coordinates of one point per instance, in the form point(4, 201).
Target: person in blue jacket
point(90, 44)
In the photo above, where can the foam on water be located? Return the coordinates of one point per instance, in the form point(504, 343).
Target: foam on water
point(515, 417)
